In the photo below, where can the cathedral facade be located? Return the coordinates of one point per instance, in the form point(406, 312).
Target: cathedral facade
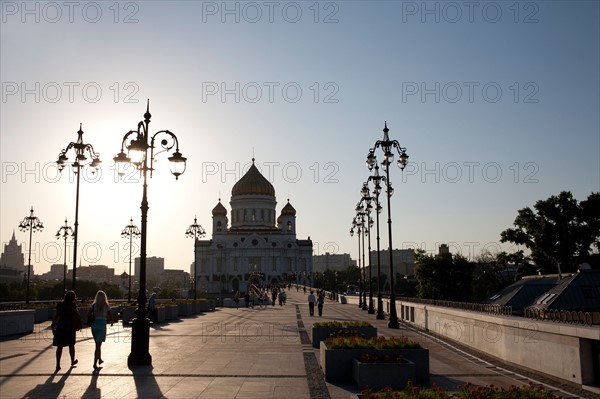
point(256, 246)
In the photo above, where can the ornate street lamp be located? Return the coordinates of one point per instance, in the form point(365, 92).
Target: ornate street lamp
point(376, 179)
point(137, 143)
point(364, 229)
point(131, 231)
point(195, 231)
point(31, 223)
point(366, 197)
point(80, 149)
point(64, 232)
point(387, 147)
point(358, 226)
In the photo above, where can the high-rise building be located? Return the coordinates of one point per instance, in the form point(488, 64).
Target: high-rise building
point(12, 261)
point(154, 266)
point(338, 262)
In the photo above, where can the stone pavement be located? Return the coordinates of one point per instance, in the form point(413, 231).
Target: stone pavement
point(229, 353)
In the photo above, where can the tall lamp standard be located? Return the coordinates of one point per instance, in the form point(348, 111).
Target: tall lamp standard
point(357, 225)
point(368, 199)
point(31, 223)
point(80, 149)
point(365, 230)
point(195, 231)
point(376, 179)
point(136, 143)
point(64, 232)
point(131, 231)
point(388, 146)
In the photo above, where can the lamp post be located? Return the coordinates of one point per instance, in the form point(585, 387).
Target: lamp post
point(368, 199)
point(136, 143)
point(376, 179)
point(357, 225)
point(195, 231)
point(31, 223)
point(388, 146)
point(80, 149)
point(365, 223)
point(131, 231)
point(64, 232)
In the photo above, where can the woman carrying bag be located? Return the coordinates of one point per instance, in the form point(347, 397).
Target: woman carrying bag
point(100, 311)
point(65, 323)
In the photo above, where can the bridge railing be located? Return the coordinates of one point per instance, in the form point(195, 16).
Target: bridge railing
point(476, 307)
point(564, 316)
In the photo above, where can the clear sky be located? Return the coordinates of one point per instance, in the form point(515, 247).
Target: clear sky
point(497, 104)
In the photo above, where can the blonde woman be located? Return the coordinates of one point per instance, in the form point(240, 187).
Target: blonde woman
point(102, 314)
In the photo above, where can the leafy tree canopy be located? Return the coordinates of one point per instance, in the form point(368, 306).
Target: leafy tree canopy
point(559, 231)
point(444, 276)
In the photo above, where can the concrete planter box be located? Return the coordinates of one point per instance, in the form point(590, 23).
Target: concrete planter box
point(16, 322)
point(382, 375)
point(184, 309)
point(204, 306)
point(161, 314)
point(195, 307)
point(41, 315)
point(337, 363)
point(171, 312)
point(128, 314)
point(420, 357)
point(321, 333)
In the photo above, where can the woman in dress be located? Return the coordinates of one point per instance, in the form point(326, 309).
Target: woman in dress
point(63, 327)
point(102, 314)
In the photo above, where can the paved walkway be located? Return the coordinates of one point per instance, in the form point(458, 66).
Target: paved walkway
point(229, 353)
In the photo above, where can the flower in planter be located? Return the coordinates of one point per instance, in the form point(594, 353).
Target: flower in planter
point(381, 342)
point(467, 391)
point(368, 358)
point(342, 324)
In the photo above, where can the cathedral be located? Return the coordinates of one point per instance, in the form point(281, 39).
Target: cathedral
point(258, 247)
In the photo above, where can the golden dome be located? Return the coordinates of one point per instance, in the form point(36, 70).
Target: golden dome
point(253, 183)
point(288, 209)
point(219, 210)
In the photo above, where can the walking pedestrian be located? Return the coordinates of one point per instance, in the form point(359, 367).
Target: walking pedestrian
point(311, 303)
point(152, 313)
point(236, 299)
point(102, 314)
point(320, 302)
point(64, 326)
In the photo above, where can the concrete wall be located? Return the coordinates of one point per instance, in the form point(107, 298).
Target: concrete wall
point(16, 322)
point(556, 349)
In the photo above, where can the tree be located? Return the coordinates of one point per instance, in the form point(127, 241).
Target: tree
point(558, 232)
point(445, 276)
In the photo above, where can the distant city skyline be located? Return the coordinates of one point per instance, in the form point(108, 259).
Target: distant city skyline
point(496, 102)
